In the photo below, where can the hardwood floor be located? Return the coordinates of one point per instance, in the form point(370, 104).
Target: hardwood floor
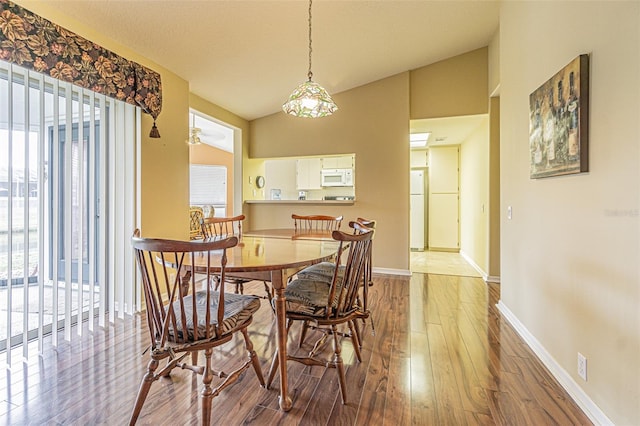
point(441, 354)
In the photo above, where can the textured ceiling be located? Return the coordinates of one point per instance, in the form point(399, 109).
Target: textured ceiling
point(448, 130)
point(247, 56)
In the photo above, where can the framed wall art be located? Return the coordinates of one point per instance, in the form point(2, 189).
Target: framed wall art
point(558, 122)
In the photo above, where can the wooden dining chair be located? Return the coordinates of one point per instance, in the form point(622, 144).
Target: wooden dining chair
point(195, 215)
point(184, 318)
point(327, 306)
point(367, 276)
point(316, 222)
point(323, 271)
point(220, 227)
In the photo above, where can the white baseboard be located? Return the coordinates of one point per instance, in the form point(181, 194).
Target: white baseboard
point(470, 261)
point(389, 271)
point(492, 279)
point(566, 381)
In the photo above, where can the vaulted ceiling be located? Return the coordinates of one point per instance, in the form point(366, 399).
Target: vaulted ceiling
point(247, 56)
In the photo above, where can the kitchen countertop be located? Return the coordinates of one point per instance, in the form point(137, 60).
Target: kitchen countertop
point(340, 202)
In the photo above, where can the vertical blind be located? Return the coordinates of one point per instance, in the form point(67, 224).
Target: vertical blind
point(68, 206)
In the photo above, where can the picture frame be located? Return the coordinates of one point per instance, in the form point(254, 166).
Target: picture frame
point(559, 122)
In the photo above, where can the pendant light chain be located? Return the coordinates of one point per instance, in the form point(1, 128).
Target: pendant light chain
point(310, 74)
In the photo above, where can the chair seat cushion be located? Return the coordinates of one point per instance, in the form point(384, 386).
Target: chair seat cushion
point(322, 271)
point(238, 308)
point(309, 297)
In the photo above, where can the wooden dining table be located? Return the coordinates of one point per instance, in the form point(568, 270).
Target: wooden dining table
point(292, 234)
point(271, 256)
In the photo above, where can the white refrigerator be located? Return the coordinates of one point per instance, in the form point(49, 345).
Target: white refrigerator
point(416, 222)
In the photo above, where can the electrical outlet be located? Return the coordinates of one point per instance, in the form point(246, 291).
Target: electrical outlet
point(582, 366)
point(509, 212)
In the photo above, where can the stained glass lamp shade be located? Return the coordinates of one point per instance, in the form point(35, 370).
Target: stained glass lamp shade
point(310, 100)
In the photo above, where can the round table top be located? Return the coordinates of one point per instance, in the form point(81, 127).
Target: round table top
point(266, 254)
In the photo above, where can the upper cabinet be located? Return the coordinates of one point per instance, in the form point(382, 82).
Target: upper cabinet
point(341, 162)
point(308, 173)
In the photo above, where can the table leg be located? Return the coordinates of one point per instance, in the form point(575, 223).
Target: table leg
point(278, 282)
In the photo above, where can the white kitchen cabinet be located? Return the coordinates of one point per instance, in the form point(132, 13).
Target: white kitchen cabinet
point(308, 173)
point(341, 162)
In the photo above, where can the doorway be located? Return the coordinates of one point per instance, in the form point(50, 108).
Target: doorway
point(215, 161)
point(456, 156)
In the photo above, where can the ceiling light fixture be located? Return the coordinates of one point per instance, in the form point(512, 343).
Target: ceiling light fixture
point(418, 139)
point(194, 139)
point(194, 131)
point(310, 100)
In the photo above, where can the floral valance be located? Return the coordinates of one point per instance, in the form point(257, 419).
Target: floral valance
point(33, 42)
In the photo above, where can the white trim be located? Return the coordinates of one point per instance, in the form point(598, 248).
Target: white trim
point(475, 266)
point(389, 271)
point(493, 279)
point(566, 381)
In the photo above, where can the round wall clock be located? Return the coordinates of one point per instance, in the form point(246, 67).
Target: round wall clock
point(260, 181)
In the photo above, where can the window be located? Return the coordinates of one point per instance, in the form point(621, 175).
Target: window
point(208, 187)
point(67, 207)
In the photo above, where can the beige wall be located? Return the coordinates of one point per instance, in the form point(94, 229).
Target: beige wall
point(165, 165)
point(570, 254)
point(373, 123)
point(455, 86)
point(474, 196)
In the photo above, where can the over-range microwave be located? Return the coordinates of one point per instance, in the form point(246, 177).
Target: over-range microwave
point(337, 177)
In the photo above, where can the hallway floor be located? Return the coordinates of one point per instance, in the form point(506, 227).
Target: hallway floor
point(441, 263)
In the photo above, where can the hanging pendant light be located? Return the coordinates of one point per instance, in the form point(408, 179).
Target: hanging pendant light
point(310, 100)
